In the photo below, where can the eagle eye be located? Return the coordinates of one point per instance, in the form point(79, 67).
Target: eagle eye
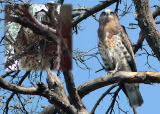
point(103, 14)
point(111, 13)
point(46, 17)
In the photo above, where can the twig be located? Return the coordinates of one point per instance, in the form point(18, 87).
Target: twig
point(22, 104)
point(103, 95)
point(81, 8)
point(113, 101)
point(157, 22)
point(8, 73)
point(11, 96)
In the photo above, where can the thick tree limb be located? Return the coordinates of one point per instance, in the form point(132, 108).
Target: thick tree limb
point(17, 89)
point(138, 45)
point(121, 76)
point(93, 10)
point(41, 90)
point(73, 91)
point(53, 98)
point(148, 26)
point(55, 85)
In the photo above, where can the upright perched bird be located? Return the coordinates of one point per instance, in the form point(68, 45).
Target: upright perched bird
point(36, 52)
point(117, 54)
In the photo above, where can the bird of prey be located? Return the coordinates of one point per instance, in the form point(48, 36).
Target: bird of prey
point(35, 51)
point(117, 54)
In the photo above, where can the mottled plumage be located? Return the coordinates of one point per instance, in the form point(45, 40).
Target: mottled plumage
point(117, 54)
point(35, 51)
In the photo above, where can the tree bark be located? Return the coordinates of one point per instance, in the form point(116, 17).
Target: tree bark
point(148, 26)
point(121, 76)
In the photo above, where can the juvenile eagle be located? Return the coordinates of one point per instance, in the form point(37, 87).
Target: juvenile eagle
point(117, 54)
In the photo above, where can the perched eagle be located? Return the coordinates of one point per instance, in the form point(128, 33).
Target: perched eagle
point(117, 54)
point(36, 52)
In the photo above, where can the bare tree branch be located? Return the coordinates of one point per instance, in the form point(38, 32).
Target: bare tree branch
point(148, 26)
point(103, 95)
point(156, 12)
point(73, 91)
point(138, 45)
point(11, 96)
point(8, 73)
point(54, 91)
point(121, 76)
point(41, 90)
point(55, 85)
point(111, 107)
point(55, 99)
point(93, 10)
point(158, 22)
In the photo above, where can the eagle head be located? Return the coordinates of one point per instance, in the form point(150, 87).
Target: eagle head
point(42, 16)
point(107, 15)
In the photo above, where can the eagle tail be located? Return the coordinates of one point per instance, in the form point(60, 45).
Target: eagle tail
point(133, 94)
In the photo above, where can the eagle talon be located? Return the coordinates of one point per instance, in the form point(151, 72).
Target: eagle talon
point(115, 70)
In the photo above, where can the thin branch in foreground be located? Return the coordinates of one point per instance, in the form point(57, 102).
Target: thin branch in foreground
point(103, 95)
point(12, 95)
point(7, 74)
point(23, 105)
point(157, 22)
point(110, 109)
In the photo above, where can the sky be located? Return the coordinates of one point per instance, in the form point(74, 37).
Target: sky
point(87, 39)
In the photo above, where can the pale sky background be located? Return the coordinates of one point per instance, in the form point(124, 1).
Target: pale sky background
point(87, 39)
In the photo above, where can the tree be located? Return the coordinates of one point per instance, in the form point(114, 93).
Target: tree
point(25, 89)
